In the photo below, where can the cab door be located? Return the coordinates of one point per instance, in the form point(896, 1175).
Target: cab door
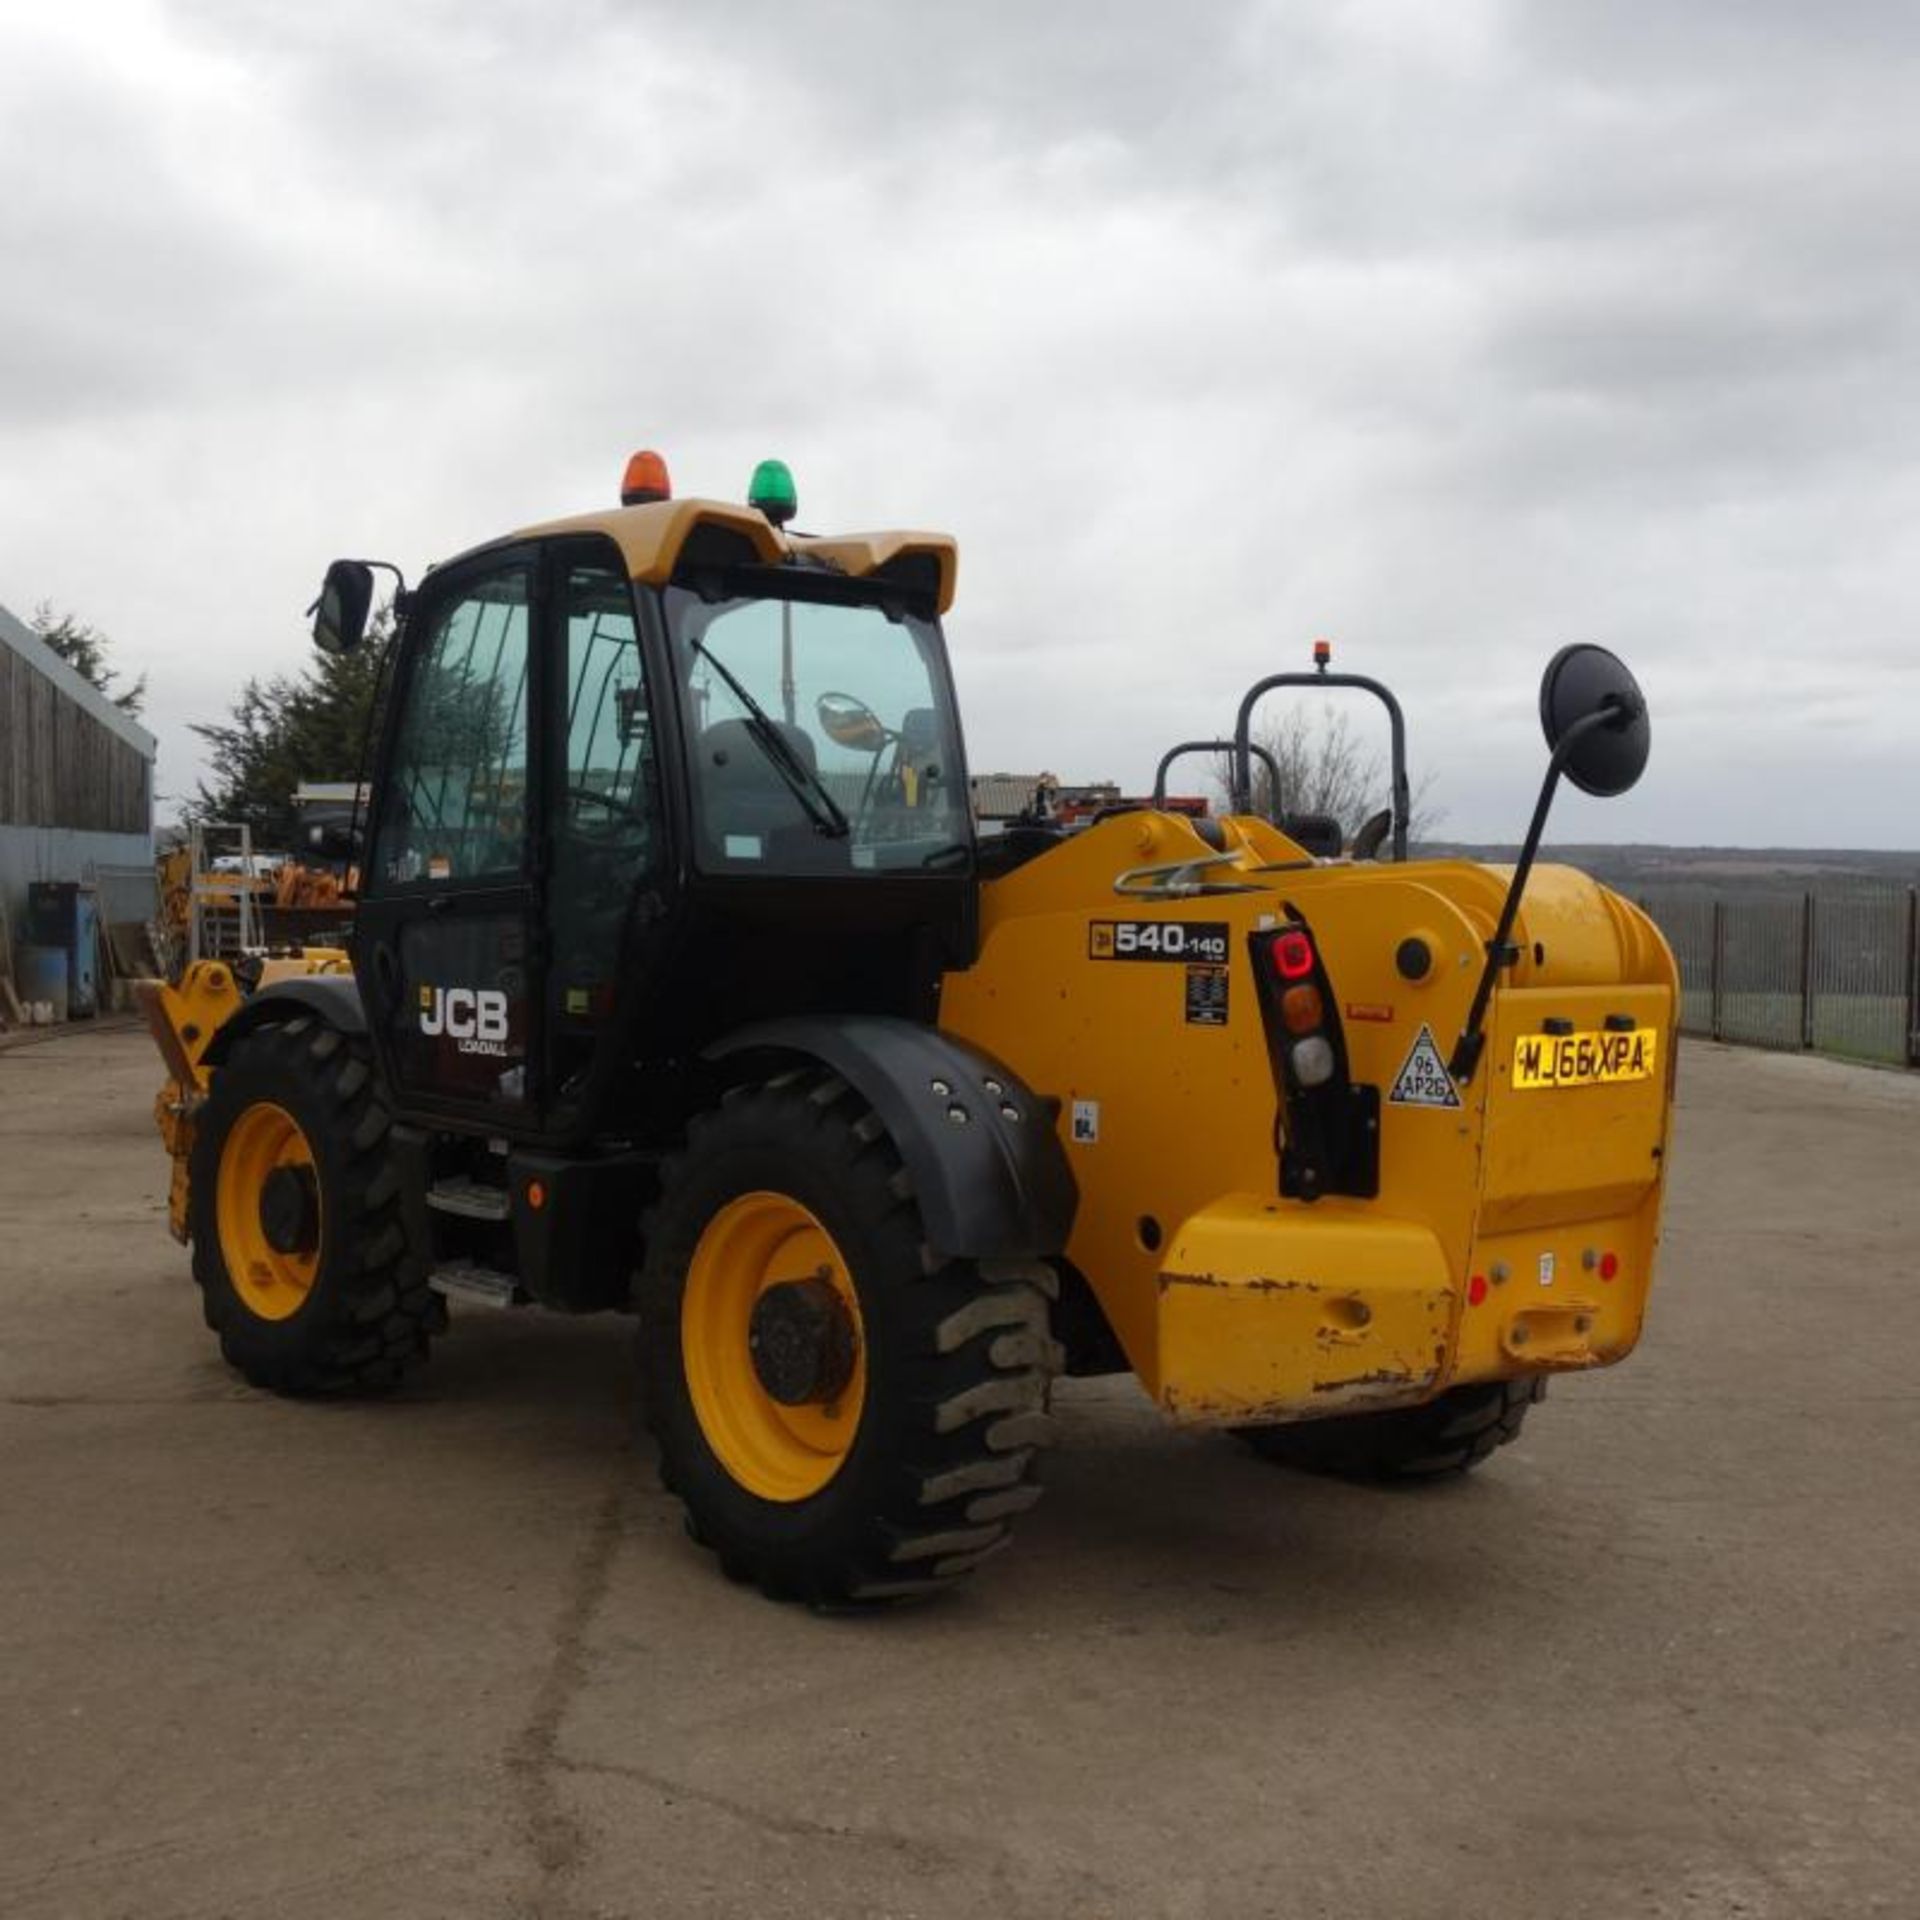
point(446, 949)
point(609, 882)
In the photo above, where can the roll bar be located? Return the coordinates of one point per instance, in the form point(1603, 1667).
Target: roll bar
point(1243, 747)
point(1213, 746)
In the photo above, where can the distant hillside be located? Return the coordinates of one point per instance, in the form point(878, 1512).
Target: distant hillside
point(1723, 869)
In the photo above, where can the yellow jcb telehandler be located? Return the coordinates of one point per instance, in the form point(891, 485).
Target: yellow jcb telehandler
point(681, 984)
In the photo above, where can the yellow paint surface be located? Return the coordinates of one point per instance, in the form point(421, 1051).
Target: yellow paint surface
point(1216, 1286)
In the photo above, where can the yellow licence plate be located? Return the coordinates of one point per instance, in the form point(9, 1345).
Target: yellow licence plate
point(1582, 1059)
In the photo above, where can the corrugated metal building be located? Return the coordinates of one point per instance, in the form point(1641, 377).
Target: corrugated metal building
point(76, 775)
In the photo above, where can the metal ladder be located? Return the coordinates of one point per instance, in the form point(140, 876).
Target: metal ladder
point(224, 917)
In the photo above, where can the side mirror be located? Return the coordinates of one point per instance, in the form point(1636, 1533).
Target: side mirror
point(340, 613)
point(1595, 719)
point(1581, 680)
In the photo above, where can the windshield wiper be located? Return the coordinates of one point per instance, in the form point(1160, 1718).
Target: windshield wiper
point(802, 782)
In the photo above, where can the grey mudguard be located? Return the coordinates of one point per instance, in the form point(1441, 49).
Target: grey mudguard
point(992, 1186)
point(335, 997)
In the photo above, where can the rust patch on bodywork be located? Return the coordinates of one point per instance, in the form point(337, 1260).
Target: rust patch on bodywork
point(1260, 1285)
point(1395, 1377)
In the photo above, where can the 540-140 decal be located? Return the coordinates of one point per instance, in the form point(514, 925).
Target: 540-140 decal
point(1192, 942)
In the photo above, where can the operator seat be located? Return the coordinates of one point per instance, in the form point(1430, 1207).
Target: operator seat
point(918, 751)
point(1320, 833)
point(745, 797)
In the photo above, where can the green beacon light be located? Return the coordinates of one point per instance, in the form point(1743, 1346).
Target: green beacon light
point(772, 490)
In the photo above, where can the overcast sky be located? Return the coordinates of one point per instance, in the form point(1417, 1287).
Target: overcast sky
point(1452, 332)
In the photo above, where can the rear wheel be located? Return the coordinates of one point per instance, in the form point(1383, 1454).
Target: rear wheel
point(845, 1415)
point(298, 1251)
point(1457, 1432)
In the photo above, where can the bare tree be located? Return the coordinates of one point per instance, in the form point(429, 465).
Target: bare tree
point(1328, 767)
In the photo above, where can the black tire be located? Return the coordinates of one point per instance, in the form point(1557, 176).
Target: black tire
point(1454, 1434)
point(368, 1316)
point(958, 1354)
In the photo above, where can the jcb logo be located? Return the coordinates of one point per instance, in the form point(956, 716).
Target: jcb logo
point(477, 1014)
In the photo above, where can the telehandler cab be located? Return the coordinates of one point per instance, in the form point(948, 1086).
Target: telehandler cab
point(681, 984)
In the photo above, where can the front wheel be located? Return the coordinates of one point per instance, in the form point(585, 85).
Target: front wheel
point(303, 1267)
point(1451, 1435)
point(845, 1415)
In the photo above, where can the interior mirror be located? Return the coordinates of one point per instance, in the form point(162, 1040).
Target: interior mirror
point(340, 613)
point(851, 723)
point(1584, 679)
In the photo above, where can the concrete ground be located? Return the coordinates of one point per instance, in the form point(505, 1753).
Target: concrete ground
point(451, 1655)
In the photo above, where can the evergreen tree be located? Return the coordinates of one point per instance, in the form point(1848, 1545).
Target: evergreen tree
point(284, 731)
point(84, 649)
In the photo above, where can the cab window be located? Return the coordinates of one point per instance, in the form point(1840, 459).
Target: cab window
point(455, 803)
point(866, 772)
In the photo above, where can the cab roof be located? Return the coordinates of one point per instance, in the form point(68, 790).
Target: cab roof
point(661, 535)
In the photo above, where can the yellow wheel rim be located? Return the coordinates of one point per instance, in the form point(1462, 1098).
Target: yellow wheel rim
point(272, 1281)
point(775, 1449)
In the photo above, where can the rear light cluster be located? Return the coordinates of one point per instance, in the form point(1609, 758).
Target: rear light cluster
point(1328, 1132)
point(1303, 1007)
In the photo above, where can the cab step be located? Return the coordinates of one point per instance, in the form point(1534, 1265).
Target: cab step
point(462, 1280)
point(471, 1199)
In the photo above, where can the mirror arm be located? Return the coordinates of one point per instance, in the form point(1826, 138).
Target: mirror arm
point(1500, 950)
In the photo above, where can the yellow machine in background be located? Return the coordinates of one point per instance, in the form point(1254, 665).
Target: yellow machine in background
point(185, 1017)
point(716, 1007)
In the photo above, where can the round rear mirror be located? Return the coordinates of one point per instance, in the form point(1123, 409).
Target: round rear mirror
point(1584, 679)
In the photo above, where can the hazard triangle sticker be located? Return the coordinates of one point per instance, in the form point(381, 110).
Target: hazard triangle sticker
point(1423, 1079)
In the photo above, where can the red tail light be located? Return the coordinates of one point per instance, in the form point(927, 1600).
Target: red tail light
point(1292, 954)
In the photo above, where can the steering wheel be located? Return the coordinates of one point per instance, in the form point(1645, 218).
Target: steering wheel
point(849, 722)
point(614, 809)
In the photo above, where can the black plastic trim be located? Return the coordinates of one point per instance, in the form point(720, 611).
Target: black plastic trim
point(1331, 1133)
point(335, 997)
point(578, 1252)
point(988, 1187)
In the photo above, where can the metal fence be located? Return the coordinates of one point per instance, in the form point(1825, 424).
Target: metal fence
point(1836, 970)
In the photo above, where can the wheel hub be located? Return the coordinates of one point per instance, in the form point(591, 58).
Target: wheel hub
point(290, 1210)
point(802, 1343)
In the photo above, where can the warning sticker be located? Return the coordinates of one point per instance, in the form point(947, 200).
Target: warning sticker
point(1423, 1080)
point(1206, 996)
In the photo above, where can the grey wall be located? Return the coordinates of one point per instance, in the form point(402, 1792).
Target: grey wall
point(60, 853)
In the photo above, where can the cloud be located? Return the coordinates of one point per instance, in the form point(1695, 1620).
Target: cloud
point(1452, 332)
